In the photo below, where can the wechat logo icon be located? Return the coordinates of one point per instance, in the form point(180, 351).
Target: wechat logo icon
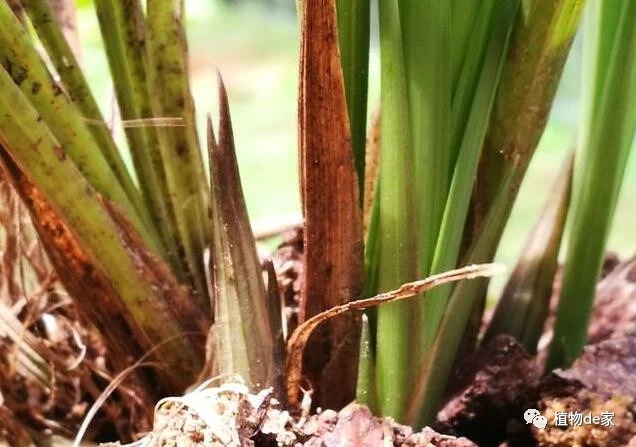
point(532, 416)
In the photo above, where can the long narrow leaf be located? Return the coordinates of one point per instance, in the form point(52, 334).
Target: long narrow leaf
point(448, 244)
point(426, 42)
point(123, 31)
point(180, 151)
point(464, 14)
point(331, 206)
point(611, 123)
point(396, 227)
point(354, 18)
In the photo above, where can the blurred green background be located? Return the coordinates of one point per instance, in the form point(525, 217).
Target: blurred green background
point(254, 45)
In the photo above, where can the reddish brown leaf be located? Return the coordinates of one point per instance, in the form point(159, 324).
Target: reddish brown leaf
point(333, 219)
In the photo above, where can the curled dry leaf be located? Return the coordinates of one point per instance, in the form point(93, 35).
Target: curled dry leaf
point(298, 340)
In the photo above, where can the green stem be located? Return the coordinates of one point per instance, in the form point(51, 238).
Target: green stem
point(37, 153)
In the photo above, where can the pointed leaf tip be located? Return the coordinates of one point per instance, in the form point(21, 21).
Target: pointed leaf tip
point(226, 136)
point(210, 135)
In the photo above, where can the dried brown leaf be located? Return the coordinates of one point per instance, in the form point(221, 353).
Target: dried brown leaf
point(333, 218)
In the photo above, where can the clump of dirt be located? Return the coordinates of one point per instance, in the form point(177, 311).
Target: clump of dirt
point(601, 385)
point(592, 404)
point(493, 385)
point(614, 312)
point(229, 415)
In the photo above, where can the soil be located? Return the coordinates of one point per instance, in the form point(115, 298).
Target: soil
point(229, 415)
point(499, 382)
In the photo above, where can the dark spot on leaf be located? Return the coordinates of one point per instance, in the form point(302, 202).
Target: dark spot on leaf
point(59, 152)
point(19, 75)
point(35, 88)
point(182, 149)
point(57, 90)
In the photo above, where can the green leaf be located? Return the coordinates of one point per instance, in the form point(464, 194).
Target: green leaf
point(353, 36)
point(397, 247)
point(23, 64)
point(171, 99)
point(610, 122)
point(426, 41)
point(464, 14)
point(123, 31)
point(452, 229)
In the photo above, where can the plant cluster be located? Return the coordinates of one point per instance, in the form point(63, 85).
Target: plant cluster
point(159, 256)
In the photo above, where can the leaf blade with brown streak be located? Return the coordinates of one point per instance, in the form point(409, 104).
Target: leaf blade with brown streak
point(143, 286)
point(245, 339)
point(21, 61)
point(333, 221)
